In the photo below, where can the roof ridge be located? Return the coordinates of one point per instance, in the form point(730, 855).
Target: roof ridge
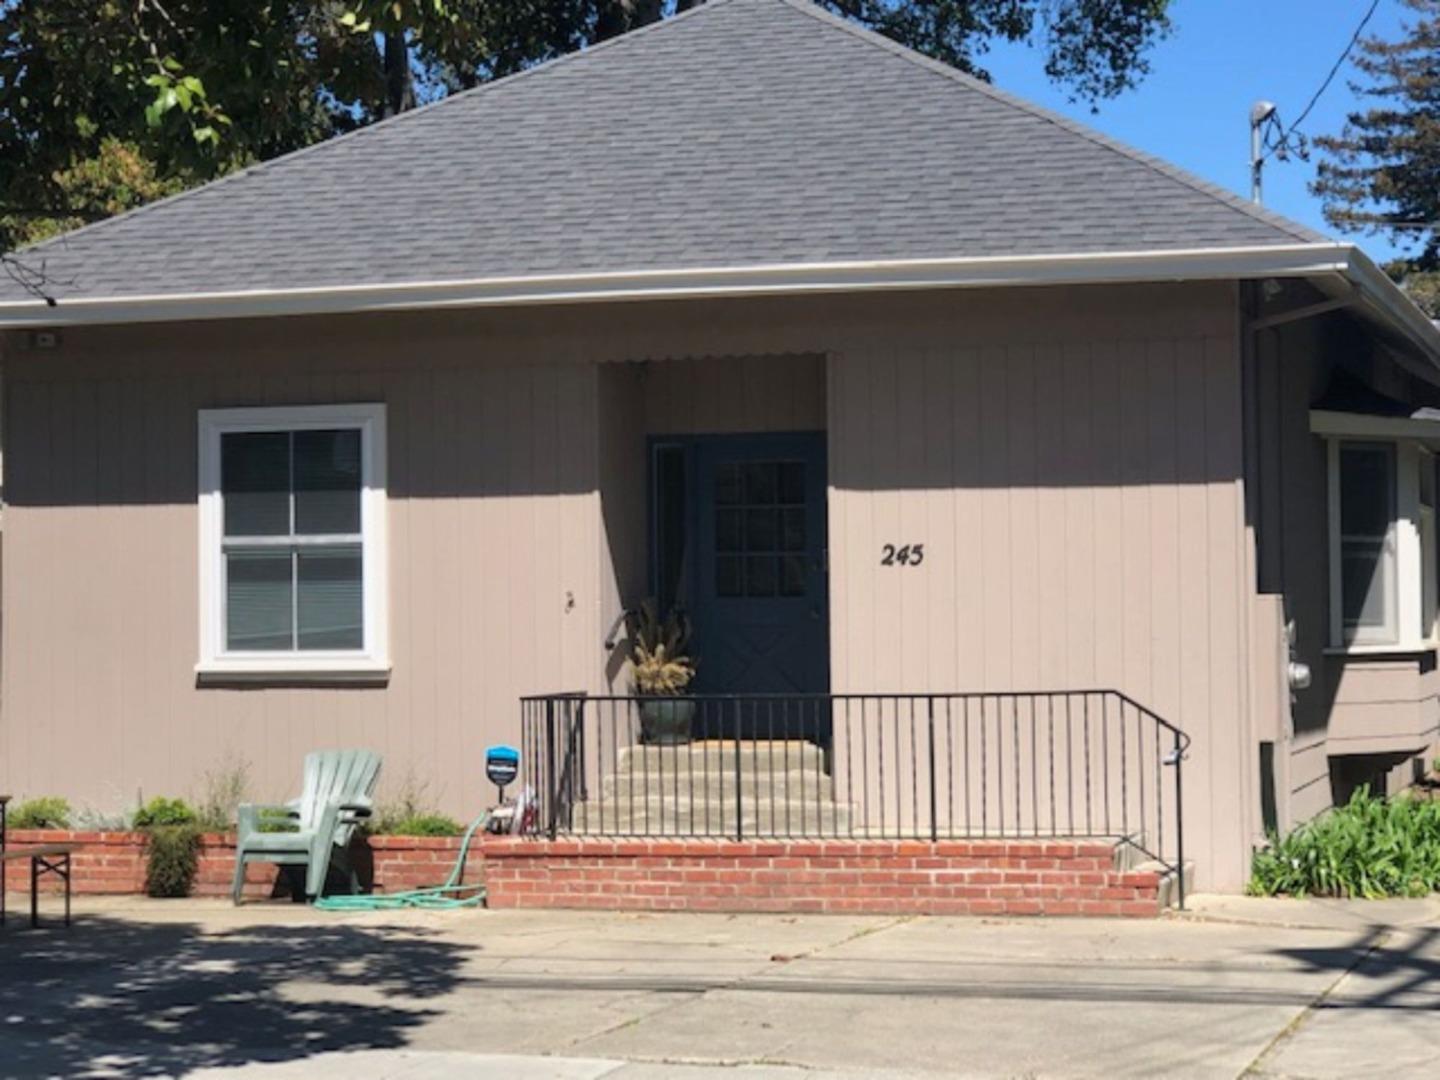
point(475, 91)
point(1158, 165)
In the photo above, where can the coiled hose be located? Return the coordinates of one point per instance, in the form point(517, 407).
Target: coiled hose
point(436, 898)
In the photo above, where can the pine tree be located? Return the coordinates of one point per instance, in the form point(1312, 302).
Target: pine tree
point(1381, 173)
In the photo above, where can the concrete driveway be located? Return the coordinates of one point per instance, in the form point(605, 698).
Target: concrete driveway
point(189, 988)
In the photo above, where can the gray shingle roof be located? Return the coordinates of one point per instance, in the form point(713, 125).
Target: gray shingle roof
point(747, 132)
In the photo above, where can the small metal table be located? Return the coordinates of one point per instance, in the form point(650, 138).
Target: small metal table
point(44, 859)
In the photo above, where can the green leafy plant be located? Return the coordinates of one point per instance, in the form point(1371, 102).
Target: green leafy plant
point(1371, 847)
point(172, 846)
point(426, 825)
point(172, 855)
point(405, 801)
point(46, 812)
point(659, 650)
point(160, 811)
point(276, 821)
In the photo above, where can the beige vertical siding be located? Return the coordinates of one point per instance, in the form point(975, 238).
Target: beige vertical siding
point(1076, 487)
point(493, 570)
point(1069, 457)
point(1378, 705)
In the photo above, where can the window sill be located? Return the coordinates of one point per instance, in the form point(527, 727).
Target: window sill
point(362, 670)
point(1382, 652)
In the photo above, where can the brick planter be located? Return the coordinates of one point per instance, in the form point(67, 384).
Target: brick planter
point(871, 877)
point(892, 877)
point(114, 862)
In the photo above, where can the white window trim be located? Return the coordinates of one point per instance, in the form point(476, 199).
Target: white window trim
point(1414, 610)
point(368, 663)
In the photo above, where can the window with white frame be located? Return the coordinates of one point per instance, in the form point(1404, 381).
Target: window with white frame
point(1368, 543)
point(1383, 587)
point(292, 529)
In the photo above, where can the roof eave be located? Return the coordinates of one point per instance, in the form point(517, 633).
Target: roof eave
point(1194, 264)
point(1389, 304)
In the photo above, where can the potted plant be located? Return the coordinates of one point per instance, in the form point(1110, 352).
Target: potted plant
point(661, 668)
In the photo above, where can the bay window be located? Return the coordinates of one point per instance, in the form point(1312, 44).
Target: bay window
point(1382, 531)
point(292, 531)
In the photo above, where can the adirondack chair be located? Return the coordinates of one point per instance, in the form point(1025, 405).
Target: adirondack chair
point(334, 800)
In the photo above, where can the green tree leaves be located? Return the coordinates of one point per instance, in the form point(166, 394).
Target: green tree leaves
point(1381, 173)
point(157, 96)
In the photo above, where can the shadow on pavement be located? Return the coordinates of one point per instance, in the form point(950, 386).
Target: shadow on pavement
point(131, 999)
point(1385, 976)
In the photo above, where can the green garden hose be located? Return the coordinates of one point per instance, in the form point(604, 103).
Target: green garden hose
point(446, 897)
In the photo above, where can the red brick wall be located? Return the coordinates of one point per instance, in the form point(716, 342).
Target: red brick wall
point(114, 862)
point(950, 877)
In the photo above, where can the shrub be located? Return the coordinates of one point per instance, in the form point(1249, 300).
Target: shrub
point(276, 821)
point(1370, 848)
point(160, 811)
point(426, 825)
point(172, 857)
point(407, 801)
point(89, 819)
point(46, 812)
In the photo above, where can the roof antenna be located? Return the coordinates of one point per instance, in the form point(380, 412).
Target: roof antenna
point(1260, 113)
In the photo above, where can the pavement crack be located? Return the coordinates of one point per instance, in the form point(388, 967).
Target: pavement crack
point(1290, 1030)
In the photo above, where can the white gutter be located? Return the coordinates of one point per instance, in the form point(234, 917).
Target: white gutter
point(1375, 290)
point(785, 278)
point(1389, 303)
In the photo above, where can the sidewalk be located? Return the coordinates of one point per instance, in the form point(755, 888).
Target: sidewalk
point(1235, 987)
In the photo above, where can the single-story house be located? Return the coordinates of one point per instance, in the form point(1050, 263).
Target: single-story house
point(900, 385)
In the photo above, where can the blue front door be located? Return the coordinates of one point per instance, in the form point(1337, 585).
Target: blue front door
point(758, 594)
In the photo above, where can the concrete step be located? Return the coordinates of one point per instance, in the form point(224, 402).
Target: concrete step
point(796, 785)
point(713, 817)
point(716, 755)
point(1169, 882)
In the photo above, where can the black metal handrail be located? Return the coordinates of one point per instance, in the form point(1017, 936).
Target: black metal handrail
point(1001, 764)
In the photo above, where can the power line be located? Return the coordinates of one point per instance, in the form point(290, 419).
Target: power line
point(1283, 140)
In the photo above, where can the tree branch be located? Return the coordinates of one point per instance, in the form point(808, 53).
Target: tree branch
point(32, 279)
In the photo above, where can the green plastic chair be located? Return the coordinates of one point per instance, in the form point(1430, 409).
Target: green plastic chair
point(335, 799)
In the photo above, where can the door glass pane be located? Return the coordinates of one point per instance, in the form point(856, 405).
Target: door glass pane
point(792, 530)
point(792, 482)
point(327, 482)
point(255, 482)
point(257, 601)
point(761, 485)
point(1367, 490)
point(760, 530)
point(329, 604)
point(729, 530)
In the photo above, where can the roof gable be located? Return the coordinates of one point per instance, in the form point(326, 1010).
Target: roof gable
point(744, 133)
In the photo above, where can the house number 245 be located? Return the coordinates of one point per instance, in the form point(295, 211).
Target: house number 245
point(906, 555)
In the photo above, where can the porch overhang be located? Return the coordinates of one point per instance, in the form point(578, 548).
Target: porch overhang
point(1335, 268)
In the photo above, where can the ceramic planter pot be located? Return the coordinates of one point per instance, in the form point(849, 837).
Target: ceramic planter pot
point(665, 722)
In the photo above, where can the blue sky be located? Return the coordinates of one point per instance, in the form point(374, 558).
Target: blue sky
point(1223, 55)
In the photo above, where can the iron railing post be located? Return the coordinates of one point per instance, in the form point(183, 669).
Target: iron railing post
point(550, 777)
point(1179, 823)
point(739, 799)
point(934, 813)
